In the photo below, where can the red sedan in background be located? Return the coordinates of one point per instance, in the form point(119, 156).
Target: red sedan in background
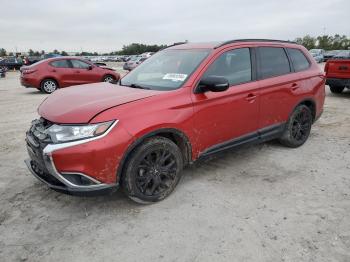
point(50, 74)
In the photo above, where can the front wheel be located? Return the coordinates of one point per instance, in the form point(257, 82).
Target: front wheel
point(298, 127)
point(153, 170)
point(336, 89)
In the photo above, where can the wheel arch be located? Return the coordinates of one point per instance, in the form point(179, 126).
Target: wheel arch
point(310, 103)
point(175, 135)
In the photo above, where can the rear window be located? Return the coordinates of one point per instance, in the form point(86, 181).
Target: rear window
point(273, 61)
point(60, 63)
point(298, 59)
point(79, 64)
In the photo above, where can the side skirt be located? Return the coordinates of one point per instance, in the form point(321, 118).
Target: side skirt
point(260, 136)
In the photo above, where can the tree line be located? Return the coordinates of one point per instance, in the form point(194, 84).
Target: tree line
point(131, 49)
point(327, 42)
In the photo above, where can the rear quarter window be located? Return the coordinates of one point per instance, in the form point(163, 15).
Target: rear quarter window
point(298, 59)
point(273, 61)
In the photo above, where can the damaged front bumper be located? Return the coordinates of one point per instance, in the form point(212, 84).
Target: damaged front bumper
point(67, 188)
point(42, 166)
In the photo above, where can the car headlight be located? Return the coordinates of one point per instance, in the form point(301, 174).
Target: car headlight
point(66, 133)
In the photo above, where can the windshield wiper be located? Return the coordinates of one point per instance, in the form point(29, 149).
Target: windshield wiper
point(134, 86)
point(139, 86)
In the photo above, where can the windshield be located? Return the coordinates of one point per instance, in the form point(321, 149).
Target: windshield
point(165, 70)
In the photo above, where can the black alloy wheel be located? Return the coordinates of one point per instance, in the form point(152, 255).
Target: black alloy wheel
point(298, 127)
point(153, 170)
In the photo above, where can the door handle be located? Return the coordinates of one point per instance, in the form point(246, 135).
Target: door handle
point(53, 70)
point(295, 86)
point(77, 71)
point(250, 97)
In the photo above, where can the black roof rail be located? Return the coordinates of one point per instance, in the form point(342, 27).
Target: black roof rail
point(177, 43)
point(253, 40)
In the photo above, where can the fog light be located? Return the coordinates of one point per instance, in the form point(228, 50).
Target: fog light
point(79, 180)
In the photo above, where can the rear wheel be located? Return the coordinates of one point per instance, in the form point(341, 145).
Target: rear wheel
point(298, 127)
point(108, 78)
point(48, 86)
point(336, 89)
point(153, 170)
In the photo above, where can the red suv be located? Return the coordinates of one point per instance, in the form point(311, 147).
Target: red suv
point(182, 104)
point(50, 74)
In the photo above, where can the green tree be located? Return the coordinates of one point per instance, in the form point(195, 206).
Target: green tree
point(136, 49)
point(11, 54)
point(30, 52)
point(325, 42)
point(64, 53)
point(308, 41)
point(2, 52)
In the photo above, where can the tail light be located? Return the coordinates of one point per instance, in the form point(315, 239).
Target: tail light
point(28, 71)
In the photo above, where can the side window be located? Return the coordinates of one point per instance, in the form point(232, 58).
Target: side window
point(234, 65)
point(273, 61)
point(79, 64)
point(60, 63)
point(298, 59)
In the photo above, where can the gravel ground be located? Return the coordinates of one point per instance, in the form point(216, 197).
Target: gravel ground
point(259, 203)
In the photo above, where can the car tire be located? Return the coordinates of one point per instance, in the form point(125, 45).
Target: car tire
point(108, 78)
point(48, 86)
point(298, 127)
point(153, 170)
point(336, 89)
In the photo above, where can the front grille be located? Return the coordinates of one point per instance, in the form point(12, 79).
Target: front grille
point(37, 139)
point(37, 131)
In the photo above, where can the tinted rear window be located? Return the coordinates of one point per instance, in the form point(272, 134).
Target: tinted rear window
point(273, 62)
point(298, 59)
point(60, 63)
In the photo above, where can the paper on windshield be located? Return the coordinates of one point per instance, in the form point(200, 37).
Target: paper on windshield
point(175, 77)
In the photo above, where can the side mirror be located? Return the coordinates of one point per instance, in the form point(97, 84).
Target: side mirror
point(90, 67)
point(213, 84)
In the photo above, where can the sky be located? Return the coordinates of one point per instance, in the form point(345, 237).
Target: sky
point(107, 25)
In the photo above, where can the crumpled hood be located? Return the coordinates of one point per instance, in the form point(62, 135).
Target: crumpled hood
point(79, 104)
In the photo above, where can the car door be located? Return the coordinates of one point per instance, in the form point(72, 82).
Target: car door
point(85, 72)
point(62, 71)
point(278, 87)
point(221, 118)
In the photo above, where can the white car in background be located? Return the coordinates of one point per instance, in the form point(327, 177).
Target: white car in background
point(318, 54)
point(147, 54)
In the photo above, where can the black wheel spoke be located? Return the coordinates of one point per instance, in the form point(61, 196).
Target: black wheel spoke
point(300, 126)
point(156, 172)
